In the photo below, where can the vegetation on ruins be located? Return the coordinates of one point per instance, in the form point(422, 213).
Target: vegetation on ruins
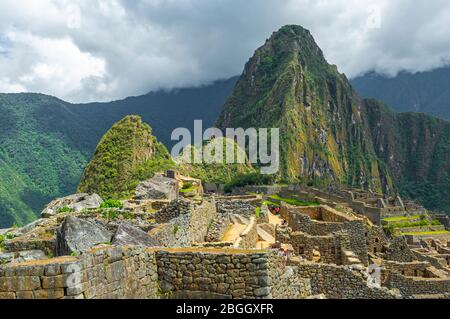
point(403, 218)
point(2, 239)
point(112, 203)
point(258, 212)
point(65, 209)
point(437, 232)
point(293, 201)
point(421, 223)
point(187, 188)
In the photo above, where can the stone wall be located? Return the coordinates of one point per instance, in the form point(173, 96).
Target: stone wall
point(339, 282)
point(434, 261)
point(285, 282)
point(356, 229)
point(173, 210)
point(249, 237)
point(105, 273)
point(223, 274)
point(190, 225)
point(243, 207)
point(329, 247)
point(398, 250)
point(218, 227)
point(411, 269)
point(410, 286)
point(376, 240)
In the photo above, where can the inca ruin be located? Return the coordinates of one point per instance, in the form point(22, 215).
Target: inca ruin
point(180, 238)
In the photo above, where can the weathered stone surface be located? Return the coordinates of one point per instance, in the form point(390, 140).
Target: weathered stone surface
point(79, 235)
point(22, 256)
point(77, 202)
point(6, 258)
point(158, 187)
point(129, 235)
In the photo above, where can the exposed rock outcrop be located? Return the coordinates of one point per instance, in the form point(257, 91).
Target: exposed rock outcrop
point(79, 235)
point(129, 235)
point(158, 187)
point(76, 202)
point(22, 256)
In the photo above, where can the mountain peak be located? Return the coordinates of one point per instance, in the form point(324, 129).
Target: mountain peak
point(127, 153)
point(289, 84)
point(297, 40)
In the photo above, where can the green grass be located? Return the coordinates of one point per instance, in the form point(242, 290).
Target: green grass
point(439, 232)
point(65, 209)
point(187, 188)
point(270, 203)
point(293, 201)
point(401, 218)
point(422, 223)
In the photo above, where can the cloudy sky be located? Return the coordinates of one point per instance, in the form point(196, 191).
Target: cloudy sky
point(100, 50)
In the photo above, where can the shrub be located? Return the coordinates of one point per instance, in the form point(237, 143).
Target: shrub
point(9, 236)
point(258, 212)
point(65, 209)
point(112, 203)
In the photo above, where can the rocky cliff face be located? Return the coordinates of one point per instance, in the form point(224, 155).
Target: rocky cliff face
point(126, 154)
point(324, 132)
point(416, 148)
point(329, 135)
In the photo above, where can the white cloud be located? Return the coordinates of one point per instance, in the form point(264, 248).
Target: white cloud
point(93, 50)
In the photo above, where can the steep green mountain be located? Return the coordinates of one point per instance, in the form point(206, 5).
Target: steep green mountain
point(126, 154)
point(45, 143)
point(43, 149)
point(425, 92)
point(324, 133)
point(416, 147)
point(329, 135)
